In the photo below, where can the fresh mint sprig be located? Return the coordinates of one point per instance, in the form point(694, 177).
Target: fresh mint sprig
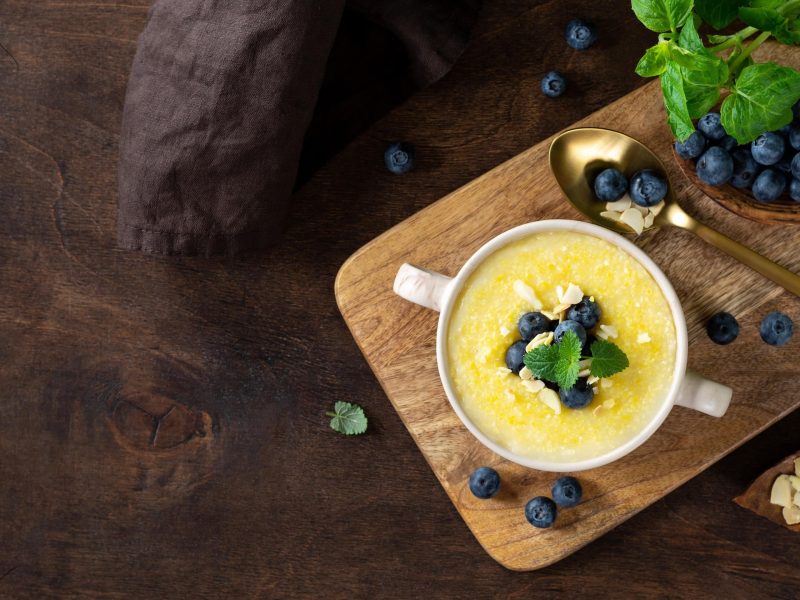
point(559, 363)
point(693, 75)
point(348, 418)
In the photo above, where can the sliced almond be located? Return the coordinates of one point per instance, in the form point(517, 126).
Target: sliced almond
point(525, 374)
point(609, 330)
point(561, 308)
point(657, 208)
point(534, 386)
point(544, 338)
point(633, 219)
point(796, 499)
point(503, 370)
point(606, 383)
point(592, 379)
point(643, 338)
point(791, 514)
point(642, 209)
point(781, 491)
point(560, 294)
point(551, 399)
point(795, 481)
point(609, 404)
point(583, 373)
point(573, 295)
point(648, 220)
point(611, 215)
point(549, 315)
point(585, 363)
point(620, 205)
point(597, 410)
point(797, 466)
point(525, 292)
point(504, 331)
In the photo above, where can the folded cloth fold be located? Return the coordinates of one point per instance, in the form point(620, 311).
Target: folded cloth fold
point(219, 98)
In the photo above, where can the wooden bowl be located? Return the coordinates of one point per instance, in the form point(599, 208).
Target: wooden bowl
point(782, 211)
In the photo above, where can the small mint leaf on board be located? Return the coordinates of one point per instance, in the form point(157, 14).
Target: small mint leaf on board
point(542, 361)
point(654, 61)
point(719, 13)
point(348, 418)
point(662, 15)
point(760, 101)
point(607, 359)
point(569, 355)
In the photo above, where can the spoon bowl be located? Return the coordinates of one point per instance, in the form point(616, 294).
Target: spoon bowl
point(578, 155)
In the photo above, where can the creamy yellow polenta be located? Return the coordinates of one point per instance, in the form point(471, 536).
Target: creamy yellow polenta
point(484, 324)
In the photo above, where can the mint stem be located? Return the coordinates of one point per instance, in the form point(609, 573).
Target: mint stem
point(763, 37)
point(736, 38)
point(331, 414)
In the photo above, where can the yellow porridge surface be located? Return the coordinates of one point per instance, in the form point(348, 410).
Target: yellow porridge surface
point(484, 324)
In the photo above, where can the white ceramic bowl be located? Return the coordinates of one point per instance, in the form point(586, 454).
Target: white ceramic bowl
point(439, 292)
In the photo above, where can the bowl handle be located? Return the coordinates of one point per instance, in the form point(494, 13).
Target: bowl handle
point(704, 395)
point(421, 286)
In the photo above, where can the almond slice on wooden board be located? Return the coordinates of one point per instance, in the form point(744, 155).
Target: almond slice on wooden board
point(757, 497)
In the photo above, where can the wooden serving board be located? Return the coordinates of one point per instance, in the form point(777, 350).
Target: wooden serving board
point(398, 340)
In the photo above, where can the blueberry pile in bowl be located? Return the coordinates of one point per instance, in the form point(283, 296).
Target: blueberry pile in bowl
point(768, 168)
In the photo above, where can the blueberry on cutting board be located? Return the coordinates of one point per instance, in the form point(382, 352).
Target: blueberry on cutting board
point(567, 492)
point(484, 483)
point(776, 329)
point(722, 328)
point(541, 512)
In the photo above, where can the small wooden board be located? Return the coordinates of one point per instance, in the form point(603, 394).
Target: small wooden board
point(398, 340)
point(756, 497)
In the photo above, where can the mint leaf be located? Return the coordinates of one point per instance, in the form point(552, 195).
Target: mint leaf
point(348, 418)
point(675, 102)
point(654, 61)
point(690, 39)
point(760, 101)
point(662, 15)
point(718, 13)
point(607, 359)
point(542, 362)
point(569, 355)
point(701, 82)
point(769, 19)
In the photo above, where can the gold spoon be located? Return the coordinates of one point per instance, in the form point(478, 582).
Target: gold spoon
point(578, 155)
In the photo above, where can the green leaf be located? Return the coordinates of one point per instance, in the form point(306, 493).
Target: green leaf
point(654, 61)
point(675, 102)
point(542, 361)
point(662, 15)
point(769, 19)
point(348, 418)
point(690, 40)
point(760, 101)
point(569, 355)
point(607, 359)
point(718, 13)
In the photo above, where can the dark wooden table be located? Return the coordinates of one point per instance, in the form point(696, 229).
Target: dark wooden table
point(162, 428)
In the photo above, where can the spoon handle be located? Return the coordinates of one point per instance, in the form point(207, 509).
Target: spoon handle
point(783, 277)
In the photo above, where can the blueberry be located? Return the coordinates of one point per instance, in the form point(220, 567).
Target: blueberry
point(610, 185)
point(767, 148)
point(484, 483)
point(648, 188)
point(794, 189)
point(569, 325)
point(515, 354)
point(579, 395)
point(722, 328)
point(399, 157)
point(795, 166)
point(532, 324)
point(692, 147)
point(711, 126)
point(586, 313)
point(784, 165)
point(567, 491)
point(794, 136)
point(769, 185)
point(796, 110)
point(727, 143)
point(541, 512)
point(554, 84)
point(745, 168)
point(776, 329)
point(715, 167)
point(580, 34)
point(587, 347)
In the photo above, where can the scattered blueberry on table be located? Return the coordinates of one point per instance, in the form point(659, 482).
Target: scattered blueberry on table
point(399, 157)
point(610, 185)
point(776, 329)
point(554, 84)
point(541, 512)
point(580, 34)
point(722, 328)
point(579, 395)
point(567, 492)
point(484, 483)
point(648, 188)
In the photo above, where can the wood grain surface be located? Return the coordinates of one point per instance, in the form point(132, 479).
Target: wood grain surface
point(445, 234)
point(263, 500)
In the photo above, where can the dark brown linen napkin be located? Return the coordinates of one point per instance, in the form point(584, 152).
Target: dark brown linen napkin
point(219, 99)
